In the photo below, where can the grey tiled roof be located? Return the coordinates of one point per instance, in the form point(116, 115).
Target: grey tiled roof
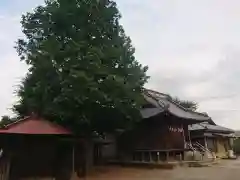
point(210, 128)
point(149, 112)
point(162, 102)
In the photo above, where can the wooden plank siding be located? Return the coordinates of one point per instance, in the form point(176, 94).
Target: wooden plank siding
point(165, 135)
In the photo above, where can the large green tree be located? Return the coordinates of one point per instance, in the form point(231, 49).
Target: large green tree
point(82, 69)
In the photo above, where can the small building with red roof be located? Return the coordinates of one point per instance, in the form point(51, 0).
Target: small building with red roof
point(34, 147)
point(34, 125)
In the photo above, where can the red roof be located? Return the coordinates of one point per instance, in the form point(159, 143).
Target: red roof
point(33, 125)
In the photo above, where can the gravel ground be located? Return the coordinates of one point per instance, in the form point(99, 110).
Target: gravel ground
point(225, 170)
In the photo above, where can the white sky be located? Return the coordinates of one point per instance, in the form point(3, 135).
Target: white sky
point(192, 48)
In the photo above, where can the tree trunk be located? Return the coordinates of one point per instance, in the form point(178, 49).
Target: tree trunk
point(84, 158)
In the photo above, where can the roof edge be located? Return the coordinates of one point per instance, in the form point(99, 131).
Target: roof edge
point(174, 102)
point(15, 122)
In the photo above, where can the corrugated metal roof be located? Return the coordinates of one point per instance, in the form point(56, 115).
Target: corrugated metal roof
point(208, 127)
point(162, 102)
point(33, 125)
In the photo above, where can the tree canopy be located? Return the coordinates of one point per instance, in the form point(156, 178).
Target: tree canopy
point(191, 105)
point(5, 120)
point(82, 70)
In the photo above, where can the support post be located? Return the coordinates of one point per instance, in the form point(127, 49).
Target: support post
point(88, 156)
point(205, 142)
point(184, 140)
point(8, 164)
point(189, 136)
point(167, 157)
point(73, 159)
point(193, 158)
point(150, 156)
point(158, 156)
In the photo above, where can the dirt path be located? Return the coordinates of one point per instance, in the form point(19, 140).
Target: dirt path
point(226, 170)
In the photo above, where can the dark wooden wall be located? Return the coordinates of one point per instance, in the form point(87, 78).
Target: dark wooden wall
point(155, 134)
point(35, 157)
point(40, 159)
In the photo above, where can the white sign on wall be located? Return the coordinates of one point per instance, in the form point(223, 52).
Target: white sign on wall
point(175, 129)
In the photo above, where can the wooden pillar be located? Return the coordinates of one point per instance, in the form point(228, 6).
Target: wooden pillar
point(150, 156)
point(73, 159)
point(181, 157)
point(167, 155)
point(230, 143)
point(5, 166)
point(142, 156)
point(189, 136)
point(74, 172)
point(216, 144)
point(205, 142)
point(88, 147)
point(184, 140)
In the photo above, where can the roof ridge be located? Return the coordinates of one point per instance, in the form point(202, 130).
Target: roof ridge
point(222, 127)
point(37, 124)
point(157, 100)
point(186, 109)
point(169, 98)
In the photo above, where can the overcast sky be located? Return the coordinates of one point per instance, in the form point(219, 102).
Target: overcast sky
point(192, 48)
